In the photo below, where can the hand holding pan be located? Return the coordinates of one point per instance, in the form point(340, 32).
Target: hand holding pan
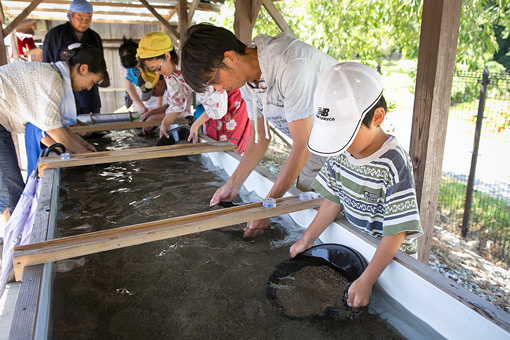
point(313, 285)
point(175, 135)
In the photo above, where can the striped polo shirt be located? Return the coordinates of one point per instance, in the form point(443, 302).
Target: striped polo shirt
point(376, 193)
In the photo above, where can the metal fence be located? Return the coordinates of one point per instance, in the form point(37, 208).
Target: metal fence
point(488, 226)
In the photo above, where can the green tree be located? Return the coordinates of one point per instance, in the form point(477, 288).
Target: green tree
point(374, 29)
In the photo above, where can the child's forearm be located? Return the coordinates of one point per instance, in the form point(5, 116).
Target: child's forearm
point(385, 252)
point(328, 212)
point(201, 120)
point(361, 289)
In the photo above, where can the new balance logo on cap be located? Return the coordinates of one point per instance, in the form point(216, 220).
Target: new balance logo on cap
point(323, 113)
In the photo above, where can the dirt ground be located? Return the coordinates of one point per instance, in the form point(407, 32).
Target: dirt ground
point(450, 255)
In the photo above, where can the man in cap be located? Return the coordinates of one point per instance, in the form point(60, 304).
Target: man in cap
point(77, 30)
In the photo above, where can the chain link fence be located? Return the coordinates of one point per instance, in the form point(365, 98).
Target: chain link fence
point(489, 213)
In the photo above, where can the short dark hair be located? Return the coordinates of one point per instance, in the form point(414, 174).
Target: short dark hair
point(127, 53)
point(367, 121)
point(202, 51)
point(90, 56)
point(173, 57)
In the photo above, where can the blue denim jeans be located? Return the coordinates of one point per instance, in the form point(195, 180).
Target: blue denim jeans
point(11, 182)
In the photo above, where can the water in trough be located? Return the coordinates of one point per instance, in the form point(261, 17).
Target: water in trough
point(208, 285)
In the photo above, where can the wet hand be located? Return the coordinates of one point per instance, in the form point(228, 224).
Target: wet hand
point(225, 193)
point(256, 228)
point(359, 294)
point(299, 247)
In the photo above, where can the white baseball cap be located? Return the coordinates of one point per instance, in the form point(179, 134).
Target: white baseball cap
point(344, 95)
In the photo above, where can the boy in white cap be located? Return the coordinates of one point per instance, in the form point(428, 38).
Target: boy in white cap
point(368, 176)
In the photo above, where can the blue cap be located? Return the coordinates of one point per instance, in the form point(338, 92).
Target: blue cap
point(80, 6)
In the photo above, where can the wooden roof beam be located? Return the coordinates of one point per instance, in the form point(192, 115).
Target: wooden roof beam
point(201, 7)
point(277, 17)
point(192, 8)
point(436, 64)
point(161, 19)
point(22, 16)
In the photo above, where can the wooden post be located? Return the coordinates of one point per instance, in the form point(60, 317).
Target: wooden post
point(3, 49)
point(182, 13)
point(117, 238)
point(436, 63)
point(245, 17)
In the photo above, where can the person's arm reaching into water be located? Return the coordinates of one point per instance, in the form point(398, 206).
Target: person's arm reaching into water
point(298, 156)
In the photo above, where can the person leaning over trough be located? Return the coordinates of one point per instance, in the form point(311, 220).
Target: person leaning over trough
point(158, 56)
point(39, 93)
point(131, 75)
point(368, 176)
point(277, 76)
point(36, 139)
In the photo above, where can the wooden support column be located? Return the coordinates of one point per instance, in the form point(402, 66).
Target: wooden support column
point(3, 48)
point(277, 17)
point(22, 16)
point(161, 19)
point(436, 64)
point(182, 13)
point(245, 17)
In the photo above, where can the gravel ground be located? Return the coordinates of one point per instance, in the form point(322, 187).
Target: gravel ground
point(450, 255)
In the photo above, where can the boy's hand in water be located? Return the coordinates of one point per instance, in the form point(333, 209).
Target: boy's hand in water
point(300, 246)
point(359, 293)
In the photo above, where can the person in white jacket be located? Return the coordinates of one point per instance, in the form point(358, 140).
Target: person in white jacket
point(42, 94)
point(277, 76)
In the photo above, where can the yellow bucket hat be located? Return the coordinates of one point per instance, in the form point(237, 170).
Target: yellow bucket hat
point(153, 44)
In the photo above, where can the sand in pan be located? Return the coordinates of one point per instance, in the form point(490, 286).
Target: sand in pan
point(313, 291)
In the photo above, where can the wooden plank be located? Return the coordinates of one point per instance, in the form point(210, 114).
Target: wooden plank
point(25, 312)
point(123, 125)
point(68, 247)
point(115, 126)
point(436, 63)
point(277, 17)
point(132, 154)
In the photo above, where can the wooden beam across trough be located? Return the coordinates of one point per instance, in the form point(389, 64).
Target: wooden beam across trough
point(103, 157)
point(122, 125)
point(95, 242)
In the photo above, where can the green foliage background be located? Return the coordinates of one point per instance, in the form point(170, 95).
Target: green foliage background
point(376, 29)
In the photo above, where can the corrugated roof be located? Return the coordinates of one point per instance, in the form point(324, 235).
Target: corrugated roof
point(122, 11)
